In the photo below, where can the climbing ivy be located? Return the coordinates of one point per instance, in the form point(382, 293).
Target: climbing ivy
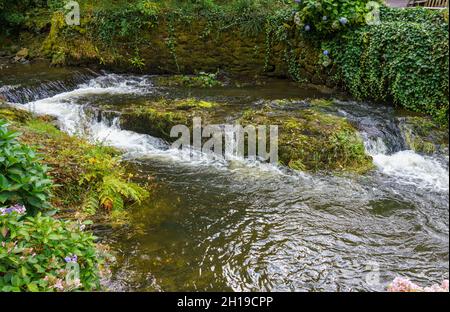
point(403, 60)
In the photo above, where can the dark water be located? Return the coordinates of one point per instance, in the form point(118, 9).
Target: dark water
point(240, 225)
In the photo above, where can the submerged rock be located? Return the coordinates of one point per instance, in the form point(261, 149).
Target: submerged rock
point(158, 117)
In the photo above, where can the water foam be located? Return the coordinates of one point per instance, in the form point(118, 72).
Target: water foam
point(412, 168)
point(74, 119)
point(407, 166)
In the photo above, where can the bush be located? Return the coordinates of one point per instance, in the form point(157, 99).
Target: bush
point(14, 13)
point(403, 60)
point(22, 178)
point(330, 16)
point(41, 253)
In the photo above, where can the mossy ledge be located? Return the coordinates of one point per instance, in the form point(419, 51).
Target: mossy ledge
point(309, 140)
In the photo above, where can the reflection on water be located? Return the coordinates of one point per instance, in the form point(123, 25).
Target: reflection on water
point(248, 226)
point(206, 229)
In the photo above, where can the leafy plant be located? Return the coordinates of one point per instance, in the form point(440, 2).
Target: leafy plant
point(202, 80)
point(137, 61)
point(41, 253)
point(403, 60)
point(325, 17)
point(22, 178)
point(108, 185)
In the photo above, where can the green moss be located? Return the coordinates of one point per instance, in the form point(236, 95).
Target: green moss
point(57, 23)
point(158, 117)
point(13, 114)
point(311, 140)
point(321, 102)
point(422, 135)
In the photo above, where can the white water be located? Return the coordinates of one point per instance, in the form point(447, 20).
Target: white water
point(406, 167)
point(72, 118)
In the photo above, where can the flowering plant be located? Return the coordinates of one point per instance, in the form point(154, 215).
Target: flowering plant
point(329, 16)
point(401, 284)
point(41, 253)
point(22, 178)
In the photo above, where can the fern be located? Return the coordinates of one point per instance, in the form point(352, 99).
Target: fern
point(90, 203)
point(111, 193)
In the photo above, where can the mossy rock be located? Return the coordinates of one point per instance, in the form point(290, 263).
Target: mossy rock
point(158, 117)
point(422, 135)
point(310, 140)
point(202, 80)
point(13, 114)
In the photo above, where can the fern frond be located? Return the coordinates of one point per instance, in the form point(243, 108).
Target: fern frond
point(91, 203)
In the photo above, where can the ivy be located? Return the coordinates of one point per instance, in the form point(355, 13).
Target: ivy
point(403, 60)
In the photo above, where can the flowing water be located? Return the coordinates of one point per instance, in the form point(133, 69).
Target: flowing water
point(247, 226)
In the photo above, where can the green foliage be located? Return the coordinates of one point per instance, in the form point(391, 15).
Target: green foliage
point(22, 178)
point(108, 184)
point(202, 80)
point(401, 60)
point(325, 17)
point(137, 61)
point(14, 13)
point(90, 176)
point(33, 252)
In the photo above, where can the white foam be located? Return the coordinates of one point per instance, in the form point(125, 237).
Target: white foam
point(72, 118)
point(411, 168)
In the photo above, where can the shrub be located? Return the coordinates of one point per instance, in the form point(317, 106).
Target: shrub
point(41, 253)
point(330, 16)
point(22, 178)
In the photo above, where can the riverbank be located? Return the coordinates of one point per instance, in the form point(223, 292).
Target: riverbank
point(90, 180)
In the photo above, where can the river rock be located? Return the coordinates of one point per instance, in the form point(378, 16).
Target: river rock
point(22, 56)
point(423, 135)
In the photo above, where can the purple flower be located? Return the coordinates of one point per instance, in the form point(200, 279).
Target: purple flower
point(298, 1)
point(307, 28)
point(343, 20)
point(326, 52)
point(72, 259)
point(19, 209)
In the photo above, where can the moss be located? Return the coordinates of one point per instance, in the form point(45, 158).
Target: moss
point(321, 102)
point(13, 114)
point(57, 23)
point(311, 140)
point(422, 135)
point(158, 117)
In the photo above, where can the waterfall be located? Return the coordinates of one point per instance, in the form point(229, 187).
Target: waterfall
point(407, 166)
point(382, 141)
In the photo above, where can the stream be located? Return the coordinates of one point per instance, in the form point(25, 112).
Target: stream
point(241, 225)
